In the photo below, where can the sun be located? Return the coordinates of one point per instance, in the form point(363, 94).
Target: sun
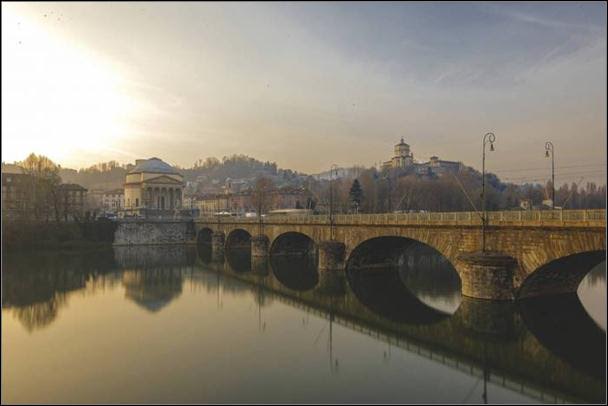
point(58, 99)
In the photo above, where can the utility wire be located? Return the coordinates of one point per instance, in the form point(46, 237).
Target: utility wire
point(544, 168)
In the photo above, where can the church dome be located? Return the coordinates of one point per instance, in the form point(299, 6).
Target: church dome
point(154, 165)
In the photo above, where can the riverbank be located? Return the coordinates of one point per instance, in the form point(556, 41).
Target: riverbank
point(53, 235)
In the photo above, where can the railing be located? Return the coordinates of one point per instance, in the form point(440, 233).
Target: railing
point(575, 218)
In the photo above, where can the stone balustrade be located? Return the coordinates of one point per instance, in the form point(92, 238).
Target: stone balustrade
point(528, 218)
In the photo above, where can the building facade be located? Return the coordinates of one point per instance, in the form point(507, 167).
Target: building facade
point(402, 158)
point(15, 184)
point(72, 200)
point(152, 187)
point(113, 200)
point(243, 202)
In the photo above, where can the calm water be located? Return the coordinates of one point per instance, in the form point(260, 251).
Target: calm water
point(164, 324)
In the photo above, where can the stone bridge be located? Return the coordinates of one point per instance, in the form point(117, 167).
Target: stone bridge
point(528, 253)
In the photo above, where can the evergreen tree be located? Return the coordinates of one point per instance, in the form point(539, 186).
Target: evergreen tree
point(356, 194)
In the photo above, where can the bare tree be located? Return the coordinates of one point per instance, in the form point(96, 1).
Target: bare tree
point(44, 176)
point(262, 198)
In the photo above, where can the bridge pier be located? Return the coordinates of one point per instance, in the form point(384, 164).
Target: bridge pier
point(331, 255)
point(217, 245)
point(487, 275)
point(259, 246)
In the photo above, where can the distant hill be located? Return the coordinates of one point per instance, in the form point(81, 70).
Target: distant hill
point(111, 175)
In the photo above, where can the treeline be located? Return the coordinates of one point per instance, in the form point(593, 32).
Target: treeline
point(240, 166)
point(373, 191)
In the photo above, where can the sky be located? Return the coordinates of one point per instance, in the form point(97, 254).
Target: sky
point(308, 85)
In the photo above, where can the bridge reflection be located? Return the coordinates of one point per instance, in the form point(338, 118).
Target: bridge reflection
point(549, 349)
point(512, 345)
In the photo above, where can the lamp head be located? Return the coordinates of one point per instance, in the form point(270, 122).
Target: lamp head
point(547, 153)
point(491, 147)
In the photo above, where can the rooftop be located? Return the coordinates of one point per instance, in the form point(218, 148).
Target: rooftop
point(154, 165)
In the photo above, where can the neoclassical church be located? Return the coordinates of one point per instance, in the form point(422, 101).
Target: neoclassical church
point(153, 186)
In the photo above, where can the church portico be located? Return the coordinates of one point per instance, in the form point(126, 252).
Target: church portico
point(153, 187)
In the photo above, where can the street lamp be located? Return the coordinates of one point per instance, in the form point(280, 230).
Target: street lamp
point(488, 138)
point(549, 147)
point(331, 201)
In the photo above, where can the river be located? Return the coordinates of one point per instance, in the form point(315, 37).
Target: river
point(165, 324)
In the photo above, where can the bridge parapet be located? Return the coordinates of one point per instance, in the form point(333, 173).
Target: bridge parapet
point(518, 218)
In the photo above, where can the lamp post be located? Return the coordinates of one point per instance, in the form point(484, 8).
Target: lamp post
point(488, 138)
point(549, 147)
point(331, 202)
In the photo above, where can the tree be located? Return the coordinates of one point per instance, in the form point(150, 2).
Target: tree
point(356, 195)
point(42, 192)
point(262, 198)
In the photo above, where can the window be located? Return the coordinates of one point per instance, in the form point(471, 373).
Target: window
point(136, 202)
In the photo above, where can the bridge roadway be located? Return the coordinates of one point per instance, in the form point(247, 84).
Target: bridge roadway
point(532, 253)
point(512, 356)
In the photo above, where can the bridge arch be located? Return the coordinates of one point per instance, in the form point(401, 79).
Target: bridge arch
point(390, 275)
point(292, 243)
point(391, 250)
point(562, 275)
point(238, 238)
point(204, 235)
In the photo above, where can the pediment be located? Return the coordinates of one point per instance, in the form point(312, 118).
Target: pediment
point(163, 179)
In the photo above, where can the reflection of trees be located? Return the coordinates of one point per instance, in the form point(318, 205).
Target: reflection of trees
point(153, 289)
point(597, 274)
point(429, 273)
point(41, 314)
point(35, 285)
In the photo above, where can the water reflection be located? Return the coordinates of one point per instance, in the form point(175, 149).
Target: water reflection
point(430, 277)
point(546, 347)
point(592, 292)
point(382, 291)
point(239, 259)
point(36, 286)
point(563, 326)
point(152, 289)
point(297, 272)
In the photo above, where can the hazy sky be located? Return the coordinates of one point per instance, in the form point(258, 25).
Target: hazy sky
point(307, 84)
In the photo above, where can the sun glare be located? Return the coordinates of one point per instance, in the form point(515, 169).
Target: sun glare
point(58, 99)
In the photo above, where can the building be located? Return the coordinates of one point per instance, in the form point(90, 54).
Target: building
point(242, 202)
point(72, 200)
point(95, 200)
point(437, 167)
point(67, 201)
point(152, 187)
point(113, 200)
point(403, 157)
point(15, 184)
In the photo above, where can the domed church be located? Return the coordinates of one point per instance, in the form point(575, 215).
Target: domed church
point(153, 186)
